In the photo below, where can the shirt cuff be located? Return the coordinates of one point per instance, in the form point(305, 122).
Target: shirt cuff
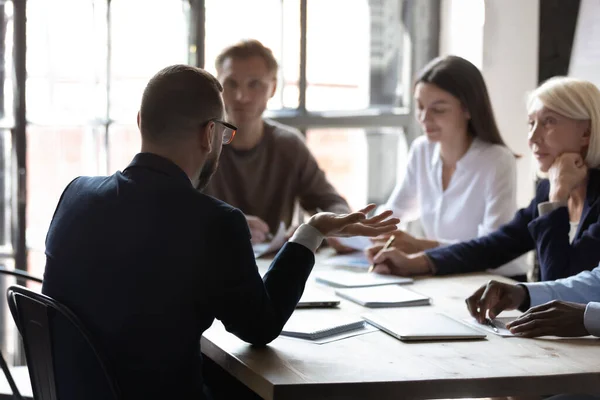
point(538, 293)
point(591, 318)
point(446, 242)
point(430, 264)
point(308, 237)
point(548, 206)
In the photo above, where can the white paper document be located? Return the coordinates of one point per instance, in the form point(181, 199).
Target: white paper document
point(357, 260)
point(347, 279)
point(274, 245)
point(367, 328)
point(385, 296)
point(359, 243)
point(314, 325)
point(499, 324)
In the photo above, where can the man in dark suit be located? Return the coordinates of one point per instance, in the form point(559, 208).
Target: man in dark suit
point(147, 262)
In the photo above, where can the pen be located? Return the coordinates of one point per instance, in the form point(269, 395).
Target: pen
point(385, 247)
point(491, 324)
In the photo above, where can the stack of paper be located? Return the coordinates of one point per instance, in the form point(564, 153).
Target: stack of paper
point(386, 296)
point(348, 279)
point(315, 326)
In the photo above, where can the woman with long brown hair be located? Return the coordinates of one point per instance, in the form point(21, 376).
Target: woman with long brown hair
point(461, 177)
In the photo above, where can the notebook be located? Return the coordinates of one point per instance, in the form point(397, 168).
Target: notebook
point(318, 324)
point(385, 296)
point(424, 327)
point(315, 299)
point(347, 279)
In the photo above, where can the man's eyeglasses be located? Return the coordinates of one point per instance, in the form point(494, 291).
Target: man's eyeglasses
point(229, 130)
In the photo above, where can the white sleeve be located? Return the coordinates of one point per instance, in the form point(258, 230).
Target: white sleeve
point(404, 200)
point(500, 194)
point(308, 237)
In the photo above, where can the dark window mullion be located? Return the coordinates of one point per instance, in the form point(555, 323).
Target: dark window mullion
point(198, 31)
point(302, 83)
point(19, 133)
point(107, 119)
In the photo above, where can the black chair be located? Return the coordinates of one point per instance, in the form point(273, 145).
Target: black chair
point(3, 364)
point(80, 370)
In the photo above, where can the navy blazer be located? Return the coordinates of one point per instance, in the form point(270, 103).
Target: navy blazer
point(548, 235)
point(147, 262)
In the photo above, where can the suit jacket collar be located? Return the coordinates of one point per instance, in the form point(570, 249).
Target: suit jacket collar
point(158, 164)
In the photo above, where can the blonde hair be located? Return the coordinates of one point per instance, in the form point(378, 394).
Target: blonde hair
point(577, 99)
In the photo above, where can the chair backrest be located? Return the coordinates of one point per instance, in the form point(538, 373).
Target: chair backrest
point(64, 363)
point(3, 364)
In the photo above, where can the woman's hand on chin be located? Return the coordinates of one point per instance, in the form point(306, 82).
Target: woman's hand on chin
point(567, 172)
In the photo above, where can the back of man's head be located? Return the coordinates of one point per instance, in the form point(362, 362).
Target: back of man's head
point(177, 101)
point(246, 49)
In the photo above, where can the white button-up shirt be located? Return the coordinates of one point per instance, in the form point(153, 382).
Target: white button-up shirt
point(480, 197)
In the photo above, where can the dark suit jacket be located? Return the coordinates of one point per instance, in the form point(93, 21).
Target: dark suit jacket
point(548, 234)
point(148, 263)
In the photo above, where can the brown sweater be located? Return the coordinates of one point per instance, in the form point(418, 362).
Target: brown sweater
point(267, 180)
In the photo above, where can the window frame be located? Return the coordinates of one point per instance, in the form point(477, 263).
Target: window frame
point(423, 29)
point(425, 46)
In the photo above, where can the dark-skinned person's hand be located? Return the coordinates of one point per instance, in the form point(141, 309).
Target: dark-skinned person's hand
point(493, 298)
point(556, 318)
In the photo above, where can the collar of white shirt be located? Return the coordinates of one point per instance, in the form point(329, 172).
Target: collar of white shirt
point(465, 161)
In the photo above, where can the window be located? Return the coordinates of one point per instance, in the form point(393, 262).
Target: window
point(357, 63)
point(141, 43)
point(7, 165)
point(354, 79)
point(342, 154)
point(56, 155)
point(87, 67)
point(275, 23)
point(345, 68)
point(65, 71)
point(124, 142)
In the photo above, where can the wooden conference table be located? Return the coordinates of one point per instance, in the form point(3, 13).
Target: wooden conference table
point(378, 366)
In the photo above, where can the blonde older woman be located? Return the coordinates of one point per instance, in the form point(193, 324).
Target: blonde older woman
point(562, 221)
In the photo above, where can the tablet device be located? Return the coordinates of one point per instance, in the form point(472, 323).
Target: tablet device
point(424, 327)
point(318, 300)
